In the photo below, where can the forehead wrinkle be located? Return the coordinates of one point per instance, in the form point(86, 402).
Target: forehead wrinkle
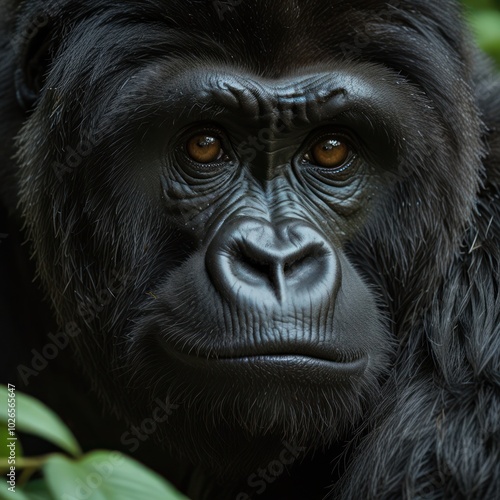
point(244, 96)
point(268, 101)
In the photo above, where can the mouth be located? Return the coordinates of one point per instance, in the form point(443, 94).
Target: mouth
point(296, 361)
point(335, 364)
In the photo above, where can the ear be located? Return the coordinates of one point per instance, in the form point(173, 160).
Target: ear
point(36, 49)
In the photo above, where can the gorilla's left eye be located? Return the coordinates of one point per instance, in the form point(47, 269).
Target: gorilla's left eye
point(205, 148)
point(330, 152)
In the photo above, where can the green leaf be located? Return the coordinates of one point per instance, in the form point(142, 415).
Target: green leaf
point(103, 475)
point(5, 494)
point(33, 417)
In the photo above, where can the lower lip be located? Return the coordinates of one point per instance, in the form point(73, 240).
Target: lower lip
point(347, 368)
point(285, 362)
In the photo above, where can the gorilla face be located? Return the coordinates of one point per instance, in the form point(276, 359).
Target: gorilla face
point(230, 212)
point(263, 299)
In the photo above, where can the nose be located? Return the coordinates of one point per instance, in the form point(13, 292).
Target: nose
point(254, 260)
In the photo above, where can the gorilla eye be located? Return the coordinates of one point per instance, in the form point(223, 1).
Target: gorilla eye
point(331, 152)
point(204, 148)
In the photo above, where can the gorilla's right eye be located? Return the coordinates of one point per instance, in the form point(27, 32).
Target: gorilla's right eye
point(205, 148)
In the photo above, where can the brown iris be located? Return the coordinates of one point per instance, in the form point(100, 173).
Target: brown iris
point(204, 148)
point(330, 153)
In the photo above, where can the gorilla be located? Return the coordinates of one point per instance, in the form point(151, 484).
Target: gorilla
point(257, 242)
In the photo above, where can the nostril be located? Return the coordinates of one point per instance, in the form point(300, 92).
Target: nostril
point(290, 268)
point(302, 259)
point(250, 264)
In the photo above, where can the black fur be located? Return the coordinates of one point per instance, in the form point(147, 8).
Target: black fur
point(115, 260)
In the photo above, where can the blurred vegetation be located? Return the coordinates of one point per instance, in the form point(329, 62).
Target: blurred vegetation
point(99, 475)
point(485, 20)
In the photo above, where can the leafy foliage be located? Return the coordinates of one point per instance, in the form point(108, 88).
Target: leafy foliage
point(485, 19)
point(100, 475)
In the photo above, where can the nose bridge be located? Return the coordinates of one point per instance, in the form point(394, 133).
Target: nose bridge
point(275, 143)
point(272, 162)
point(277, 201)
point(283, 199)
